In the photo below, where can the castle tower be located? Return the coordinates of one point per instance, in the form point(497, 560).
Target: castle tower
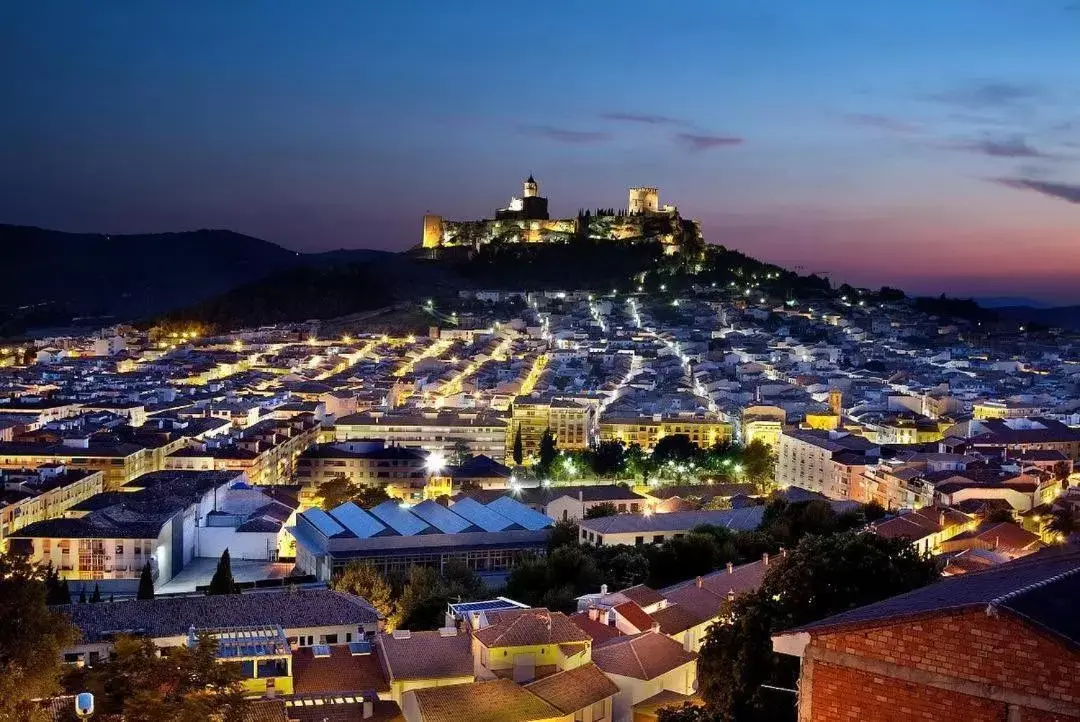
point(644, 200)
point(532, 189)
point(433, 231)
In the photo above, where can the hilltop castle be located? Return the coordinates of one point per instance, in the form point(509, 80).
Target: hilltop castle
point(526, 220)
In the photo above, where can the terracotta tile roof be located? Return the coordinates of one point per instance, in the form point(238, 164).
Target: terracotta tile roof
point(426, 655)
point(675, 618)
point(599, 631)
point(699, 601)
point(333, 709)
point(641, 656)
point(340, 672)
point(642, 595)
point(522, 627)
point(499, 700)
point(574, 689)
point(635, 615)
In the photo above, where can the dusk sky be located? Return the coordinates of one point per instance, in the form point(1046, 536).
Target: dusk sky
point(928, 144)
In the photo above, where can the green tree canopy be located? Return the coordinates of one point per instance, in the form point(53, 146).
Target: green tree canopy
point(32, 638)
point(187, 685)
point(364, 580)
point(823, 575)
point(603, 509)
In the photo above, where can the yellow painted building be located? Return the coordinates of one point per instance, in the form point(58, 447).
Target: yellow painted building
point(118, 462)
point(570, 420)
point(645, 431)
point(65, 490)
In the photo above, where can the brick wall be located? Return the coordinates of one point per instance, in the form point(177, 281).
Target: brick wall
point(963, 666)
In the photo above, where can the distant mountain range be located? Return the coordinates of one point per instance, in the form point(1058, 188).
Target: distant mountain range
point(53, 278)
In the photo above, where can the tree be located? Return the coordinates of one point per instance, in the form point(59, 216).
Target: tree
point(607, 458)
point(367, 497)
point(460, 453)
point(1063, 522)
point(187, 685)
point(146, 583)
point(823, 575)
point(32, 638)
point(627, 568)
point(95, 598)
point(759, 464)
point(423, 599)
point(519, 453)
point(364, 580)
point(82, 594)
point(601, 510)
point(564, 533)
point(687, 712)
point(1000, 516)
point(548, 451)
point(56, 589)
point(674, 447)
point(222, 581)
point(334, 492)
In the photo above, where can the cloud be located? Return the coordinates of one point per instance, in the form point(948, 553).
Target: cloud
point(1013, 147)
point(883, 122)
point(642, 118)
point(1063, 191)
point(697, 143)
point(565, 135)
point(988, 94)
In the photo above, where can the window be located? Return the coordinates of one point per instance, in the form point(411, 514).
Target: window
point(658, 539)
point(119, 547)
point(330, 639)
point(639, 540)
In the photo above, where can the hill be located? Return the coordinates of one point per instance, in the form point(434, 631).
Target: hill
point(53, 277)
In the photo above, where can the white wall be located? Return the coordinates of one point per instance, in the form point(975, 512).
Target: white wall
point(213, 540)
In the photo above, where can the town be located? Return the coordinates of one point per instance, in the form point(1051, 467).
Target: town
point(556, 505)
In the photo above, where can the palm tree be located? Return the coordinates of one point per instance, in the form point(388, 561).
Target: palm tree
point(1064, 522)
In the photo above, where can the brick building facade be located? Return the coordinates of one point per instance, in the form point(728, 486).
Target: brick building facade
point(995, 646)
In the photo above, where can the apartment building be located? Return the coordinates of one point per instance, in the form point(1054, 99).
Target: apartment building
point(44, 493)
point(119, 462)
point(829, 462)
point(480, 433)
point(645, 431)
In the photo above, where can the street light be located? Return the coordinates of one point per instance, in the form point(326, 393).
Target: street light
point(435, 462)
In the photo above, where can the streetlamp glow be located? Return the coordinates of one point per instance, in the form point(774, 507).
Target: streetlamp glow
point(436, 461)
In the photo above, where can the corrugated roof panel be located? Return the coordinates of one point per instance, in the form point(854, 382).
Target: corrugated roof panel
point(358, 521)
point(323, 522)
point(401, 520)
point(480, 515)
point(520, 514)
point(440, 517)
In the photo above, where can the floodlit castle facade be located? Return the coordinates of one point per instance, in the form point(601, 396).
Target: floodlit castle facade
point(526, 220)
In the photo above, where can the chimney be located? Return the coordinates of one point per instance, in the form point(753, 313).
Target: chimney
point(783, 552)
point(730, 568)
point(369, 707)
point(655, 627)
point(765, 558)
point(603, 588)
point(731, 595)
point(581, 495)
point(698, 582)
point(594, 614)
point(941, 518)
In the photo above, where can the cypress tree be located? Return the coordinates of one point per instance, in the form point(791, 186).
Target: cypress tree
point(223, 582)
point(82, 594)
point(146, 583)
point(96, 596)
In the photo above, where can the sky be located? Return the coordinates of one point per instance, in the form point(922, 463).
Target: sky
point(932, 145)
